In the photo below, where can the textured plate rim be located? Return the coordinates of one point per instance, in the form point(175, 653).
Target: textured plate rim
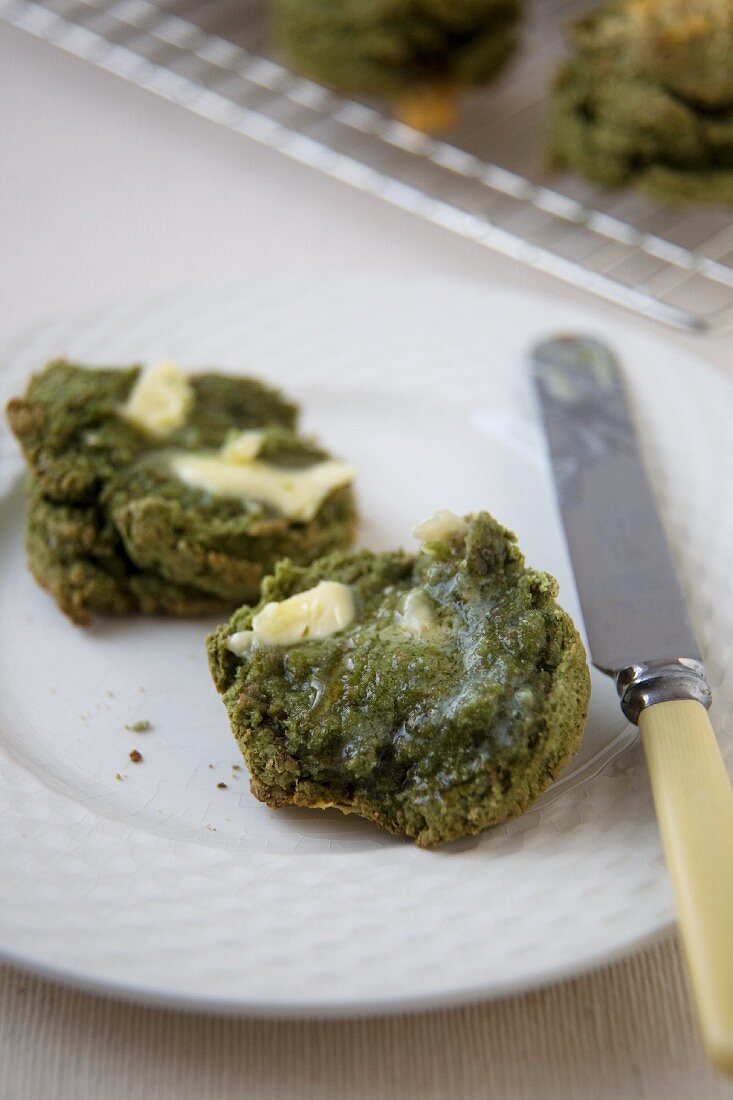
point(336, 1009)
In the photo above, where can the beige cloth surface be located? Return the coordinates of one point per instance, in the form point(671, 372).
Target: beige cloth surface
point(105, 190)
point(622, 1033)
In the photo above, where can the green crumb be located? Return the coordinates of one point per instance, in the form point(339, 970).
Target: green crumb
point(142, 726)
point(118, 777)
point(448, 703)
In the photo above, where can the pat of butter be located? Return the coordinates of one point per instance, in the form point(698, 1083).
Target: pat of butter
point(240, 642)
point(243, 447)
point(297, 493)
point(441, 527)
point(417, 615)
point(160, 400)
point(317, 613)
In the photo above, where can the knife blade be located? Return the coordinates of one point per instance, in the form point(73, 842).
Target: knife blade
point(633, 605)
point(639, 633)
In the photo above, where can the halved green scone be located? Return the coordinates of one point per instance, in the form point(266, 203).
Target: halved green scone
point(75, 553)
point(189, 488)
point(435, 694)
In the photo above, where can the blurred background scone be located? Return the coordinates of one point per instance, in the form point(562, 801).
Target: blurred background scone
point(647, 99)
point(417, 54)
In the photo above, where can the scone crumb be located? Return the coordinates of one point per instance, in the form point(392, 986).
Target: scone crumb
point(136, 757)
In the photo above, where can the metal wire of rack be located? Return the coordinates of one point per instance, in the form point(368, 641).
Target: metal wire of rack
point(487, 183)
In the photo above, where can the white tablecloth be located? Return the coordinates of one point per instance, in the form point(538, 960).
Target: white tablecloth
point(105, 191)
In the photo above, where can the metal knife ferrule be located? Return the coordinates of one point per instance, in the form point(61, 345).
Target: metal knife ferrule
point(640, 686)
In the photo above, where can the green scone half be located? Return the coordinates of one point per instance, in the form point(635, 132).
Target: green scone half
point(75, 553)
point(159, 491)
point(434, 694)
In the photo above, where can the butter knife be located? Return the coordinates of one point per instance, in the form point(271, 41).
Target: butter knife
point(640, 634)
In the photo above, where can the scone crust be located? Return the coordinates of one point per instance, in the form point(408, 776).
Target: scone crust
point(77, 556)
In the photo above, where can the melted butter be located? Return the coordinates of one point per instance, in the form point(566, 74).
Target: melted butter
point(417, 615)
point(160, 400)
point(243, 447)
point(240, 643)
point(295, 493)
point(316, 613)
point(441, 527)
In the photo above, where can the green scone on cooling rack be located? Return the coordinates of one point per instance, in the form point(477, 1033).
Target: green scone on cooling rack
point(646, 99)
point(417, 54)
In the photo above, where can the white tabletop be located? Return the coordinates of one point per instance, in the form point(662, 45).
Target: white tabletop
point(107, 191)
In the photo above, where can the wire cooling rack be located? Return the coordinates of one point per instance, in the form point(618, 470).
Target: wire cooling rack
point(487, 183)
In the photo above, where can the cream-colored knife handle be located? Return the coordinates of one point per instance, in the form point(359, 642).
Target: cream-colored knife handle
point(694, 804)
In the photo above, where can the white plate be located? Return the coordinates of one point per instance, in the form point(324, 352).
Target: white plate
point(162, 886)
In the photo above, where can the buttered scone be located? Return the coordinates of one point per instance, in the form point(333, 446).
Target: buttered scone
point(157, 490)
point(434, 693)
